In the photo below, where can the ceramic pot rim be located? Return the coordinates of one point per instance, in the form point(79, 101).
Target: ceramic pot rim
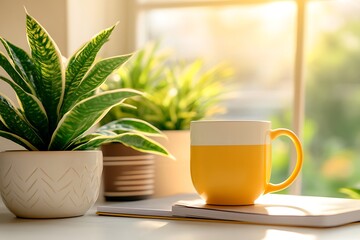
point(57, 151)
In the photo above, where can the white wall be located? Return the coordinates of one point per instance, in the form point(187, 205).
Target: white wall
point(87, 17)
point(51, 14)
point(70, 23)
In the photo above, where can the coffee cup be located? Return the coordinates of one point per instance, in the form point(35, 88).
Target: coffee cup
point(231, 160)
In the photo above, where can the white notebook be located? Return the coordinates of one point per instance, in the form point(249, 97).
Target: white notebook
point(153, 207)
point(276, 209)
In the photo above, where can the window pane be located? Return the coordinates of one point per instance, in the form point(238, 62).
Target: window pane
point(333, 97)
point(257, 40)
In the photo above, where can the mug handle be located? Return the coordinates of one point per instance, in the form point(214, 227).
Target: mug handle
point(274, 134)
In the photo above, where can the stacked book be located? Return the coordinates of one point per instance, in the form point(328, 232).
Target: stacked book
point(275, 209)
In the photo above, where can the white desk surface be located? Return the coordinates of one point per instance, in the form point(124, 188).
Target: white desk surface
point(92, 226)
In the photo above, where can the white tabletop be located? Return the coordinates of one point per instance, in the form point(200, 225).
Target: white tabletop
point(92, 226)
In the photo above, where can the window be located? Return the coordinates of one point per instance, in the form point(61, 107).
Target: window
point(259, 40)
point(332, 97)
point(242, 36)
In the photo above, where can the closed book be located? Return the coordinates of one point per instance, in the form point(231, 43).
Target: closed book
point(278, 209)
point(275, 209)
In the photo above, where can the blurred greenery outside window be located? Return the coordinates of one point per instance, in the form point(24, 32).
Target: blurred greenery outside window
point(258, 41)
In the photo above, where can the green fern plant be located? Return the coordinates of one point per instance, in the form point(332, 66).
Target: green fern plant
point(59, 102)
point(175, 93)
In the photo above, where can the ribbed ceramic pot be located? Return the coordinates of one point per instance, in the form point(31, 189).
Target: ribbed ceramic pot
point(50, 184)
point(128, 174)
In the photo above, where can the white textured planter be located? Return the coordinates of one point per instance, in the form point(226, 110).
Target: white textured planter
point(50, 184)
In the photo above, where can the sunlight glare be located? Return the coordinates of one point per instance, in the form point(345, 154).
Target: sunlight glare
point(286, 235)
point(153, 224)
point(273, 14)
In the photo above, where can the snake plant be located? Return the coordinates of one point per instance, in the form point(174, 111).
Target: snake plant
point(58, 101)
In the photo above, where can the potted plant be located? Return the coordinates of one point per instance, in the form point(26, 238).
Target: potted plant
point(59, 174)
point(177, 92)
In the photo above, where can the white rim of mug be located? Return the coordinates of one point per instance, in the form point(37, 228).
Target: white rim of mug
point(230, 121)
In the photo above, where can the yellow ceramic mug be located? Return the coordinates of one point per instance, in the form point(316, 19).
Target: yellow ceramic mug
point(231, 160)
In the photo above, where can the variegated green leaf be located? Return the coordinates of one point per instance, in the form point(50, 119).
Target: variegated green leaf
point(87, 95)
point(23, 64)
point(14, 121)
point(48, 62)
point(96, 76)
point(133, 140)
point(131, 125)
point(5, 133)
point(85, 114)
point(351, 192)
point(9, 68)
point(33, 109)
point(81, 61)
point(92, 143)
point(85, 138)
point(18, 140)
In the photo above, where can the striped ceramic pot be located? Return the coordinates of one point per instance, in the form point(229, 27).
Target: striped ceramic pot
point(128, 174)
